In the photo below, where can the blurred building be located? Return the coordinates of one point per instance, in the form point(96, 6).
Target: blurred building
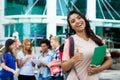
point(40, 18)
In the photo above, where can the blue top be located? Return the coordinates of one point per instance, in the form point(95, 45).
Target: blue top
point(48, 58)
point(10, 62)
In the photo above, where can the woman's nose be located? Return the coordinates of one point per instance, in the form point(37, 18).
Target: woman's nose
point(77, 21)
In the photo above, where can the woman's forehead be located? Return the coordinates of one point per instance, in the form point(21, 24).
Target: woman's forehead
point(74, 15)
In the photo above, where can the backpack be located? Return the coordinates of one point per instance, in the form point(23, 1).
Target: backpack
point(70, 52)
point(71, 48)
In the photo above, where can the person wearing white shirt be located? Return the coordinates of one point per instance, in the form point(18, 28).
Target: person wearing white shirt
point(24, 62)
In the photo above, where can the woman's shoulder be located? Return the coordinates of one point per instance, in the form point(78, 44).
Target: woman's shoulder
point(6, 54)
point(50, 53)
point(74, 36)
point(40, 54)
point(20, 53)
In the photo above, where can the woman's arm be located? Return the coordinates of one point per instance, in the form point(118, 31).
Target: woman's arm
point(54, 64)
point(20, 63)
point(107, 63)
point(3, 65)
point(67, 65)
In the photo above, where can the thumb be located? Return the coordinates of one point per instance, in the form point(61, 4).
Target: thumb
point(77, 51)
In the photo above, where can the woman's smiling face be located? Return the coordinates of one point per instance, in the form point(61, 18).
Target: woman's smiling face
point(77, 22)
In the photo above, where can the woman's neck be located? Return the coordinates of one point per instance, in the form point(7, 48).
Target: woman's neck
point(45, 52)
point(83, 35)
point(56, 46)
point(26, 52)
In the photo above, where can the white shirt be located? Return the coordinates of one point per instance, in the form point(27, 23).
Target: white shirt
point(27, 68)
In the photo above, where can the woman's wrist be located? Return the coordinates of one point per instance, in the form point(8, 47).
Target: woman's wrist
point(13, 71)
point(100, 69)
point(72, 60)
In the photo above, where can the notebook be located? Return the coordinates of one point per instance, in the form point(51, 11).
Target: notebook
point(54, 69)
point(36, 61)
point(99, 55)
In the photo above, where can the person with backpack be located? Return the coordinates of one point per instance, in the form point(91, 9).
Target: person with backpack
point(55, 46)
point(8, 61)
point(85, 42)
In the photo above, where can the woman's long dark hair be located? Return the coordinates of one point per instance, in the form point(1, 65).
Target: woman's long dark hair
point(88, 30)
point(7, 49)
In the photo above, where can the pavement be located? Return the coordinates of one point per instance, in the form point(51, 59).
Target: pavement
point(110, 75)
point(107, 75)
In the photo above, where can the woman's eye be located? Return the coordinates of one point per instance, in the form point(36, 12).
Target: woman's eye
point(78, 17)
point(72, 21)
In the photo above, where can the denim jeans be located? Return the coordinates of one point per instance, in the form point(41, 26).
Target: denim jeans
point(41, 78)
point(57, 78)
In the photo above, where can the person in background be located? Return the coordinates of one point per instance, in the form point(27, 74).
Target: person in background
point(45, 57)
point(50, 36)
point(8, 61)
point(85, 42)
point(17, 42)
point(15, 33)
point(55, 46)
point(24, 61)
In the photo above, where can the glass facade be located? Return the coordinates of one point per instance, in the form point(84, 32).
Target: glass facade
point(62, 8)
point(21, 7)
point(110, 9)
point(59, 30)
point(71, 5)
point(26, 30)
point(110, 35)
point(110, 32)
point(9, 29)
point(81, 5)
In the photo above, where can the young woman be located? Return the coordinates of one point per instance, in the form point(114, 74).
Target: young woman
point(8, 61)
point(24, 61)
point(45, 57)
point(84, 43)
point(55, 46)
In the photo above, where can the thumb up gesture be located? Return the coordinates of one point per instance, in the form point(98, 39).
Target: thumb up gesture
point(78, 56)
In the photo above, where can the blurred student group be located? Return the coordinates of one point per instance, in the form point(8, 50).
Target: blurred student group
point(28, 65)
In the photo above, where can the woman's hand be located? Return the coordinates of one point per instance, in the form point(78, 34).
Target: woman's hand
point(107, 63)
point(43, 64)
point(78, 56)
point(93, 70)
point(15, 72)
point(50, 64)
point(27, 57)
point(33, 57)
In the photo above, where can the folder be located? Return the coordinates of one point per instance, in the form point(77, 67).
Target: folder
point(36, 61)
point(99, 55)
point(54, 69)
